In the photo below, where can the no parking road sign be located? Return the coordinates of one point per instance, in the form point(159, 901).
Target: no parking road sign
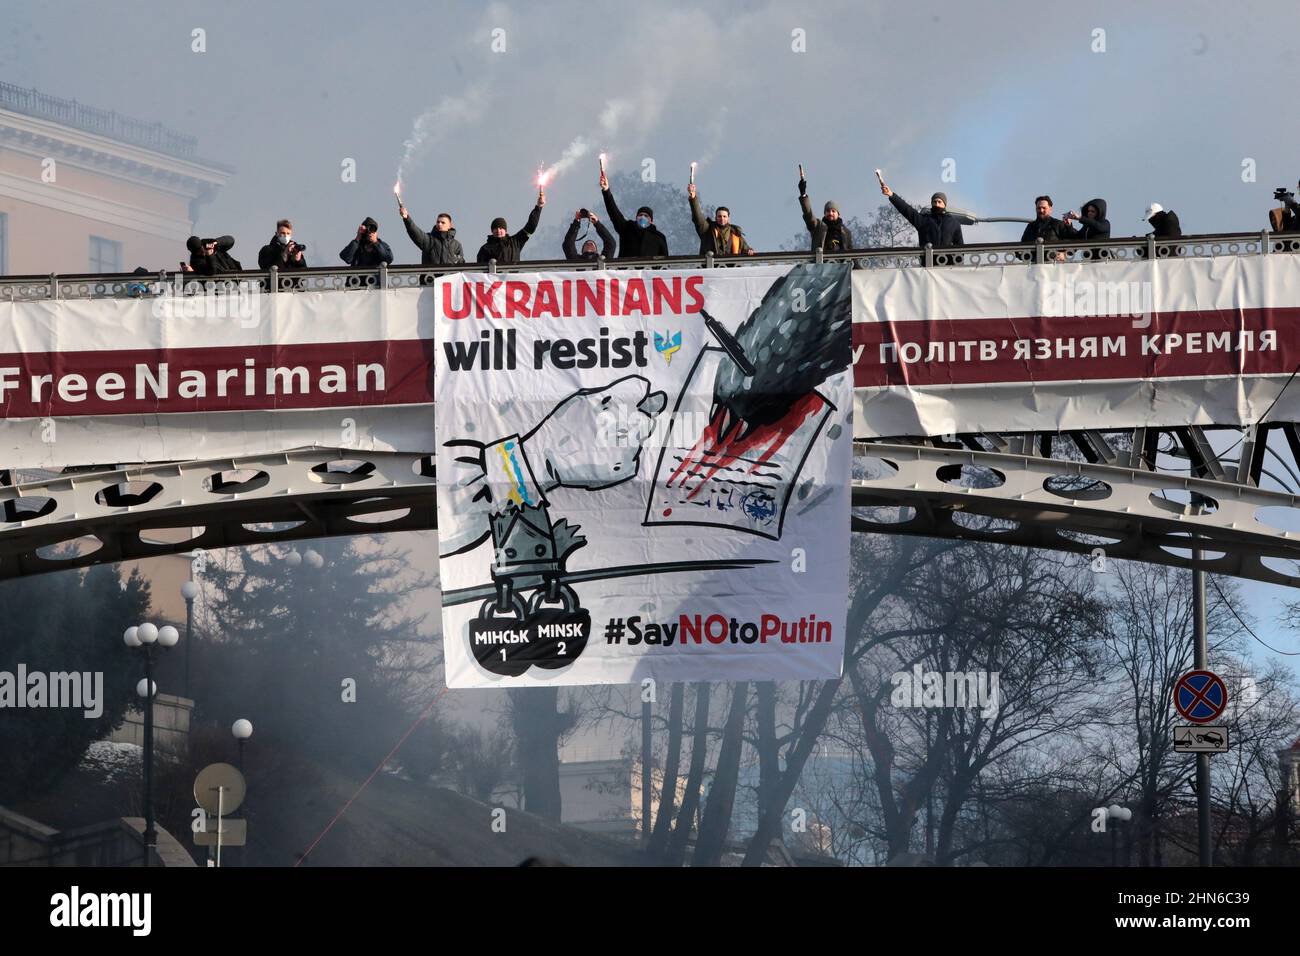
point(1200, 696)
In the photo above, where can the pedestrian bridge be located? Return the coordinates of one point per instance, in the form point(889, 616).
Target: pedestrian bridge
point(1217, 496)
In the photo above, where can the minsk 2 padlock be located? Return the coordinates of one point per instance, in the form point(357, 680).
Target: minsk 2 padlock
point(499, 640)
point(559, 633)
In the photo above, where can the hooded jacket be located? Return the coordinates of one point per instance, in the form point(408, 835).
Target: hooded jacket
point(506, 249)
point(939, 231)
point(826, 235)
point(366, 255)
point(436, 248)
point(569, 244)
point(633, 241)
point(1098, 228)
point(1166, 225)
point(720, 240)
point(220, 261)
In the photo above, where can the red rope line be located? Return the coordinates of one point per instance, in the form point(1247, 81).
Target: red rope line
point(396, 747)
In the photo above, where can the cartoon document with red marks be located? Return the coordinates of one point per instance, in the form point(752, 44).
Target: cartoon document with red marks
point(724, 475)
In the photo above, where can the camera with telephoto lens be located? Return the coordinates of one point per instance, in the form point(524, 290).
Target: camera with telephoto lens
point(297, 246)
point(1281, 195)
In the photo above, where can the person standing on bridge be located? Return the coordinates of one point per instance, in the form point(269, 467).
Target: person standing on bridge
point(502, 246)
point(1165, 225)
point(1045, 226)
point(1163, 221)
point(718, 235)
point(211, 257)
point(589, 252)
point(829, 233)
point(934, 228)
point(1093, 225)
point(440, 247)
point(367, 250)
point(638, 239)
point(282, 252)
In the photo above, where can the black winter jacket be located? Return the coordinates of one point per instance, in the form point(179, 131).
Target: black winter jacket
point(274, 254)
point(1166, 225)
point(633, 241)
point(506, 249)
point(1049, 229)
point(1090, 229)
point(826, 235)
point(571, 253)
point(366, 255)
point(436, 248)
point(940, 231)
point(220, 261)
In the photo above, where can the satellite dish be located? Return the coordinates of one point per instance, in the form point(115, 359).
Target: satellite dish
point(223, 777)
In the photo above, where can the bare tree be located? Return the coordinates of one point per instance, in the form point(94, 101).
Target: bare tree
point(668, 789)
point(716, 822)
point(540, 728)
point(676, 853)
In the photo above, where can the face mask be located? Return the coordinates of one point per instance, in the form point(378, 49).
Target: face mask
point(281, 238)
point(642, 221)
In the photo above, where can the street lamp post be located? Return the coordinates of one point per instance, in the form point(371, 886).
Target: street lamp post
point(1116, 814)
point(142, 638)
point(189, 591)
point(241, 730)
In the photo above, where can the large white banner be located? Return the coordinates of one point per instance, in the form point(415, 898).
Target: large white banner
point(935, 351)
point(1063, 346)
point(184, 377)
point(643, 474)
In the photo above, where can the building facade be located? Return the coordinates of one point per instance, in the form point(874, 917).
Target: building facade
point(86, 190)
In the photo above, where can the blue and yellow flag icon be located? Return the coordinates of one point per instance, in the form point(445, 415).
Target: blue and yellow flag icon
point(666, 345)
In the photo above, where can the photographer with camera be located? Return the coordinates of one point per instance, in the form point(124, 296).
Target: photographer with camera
point(1286, 218)
point(211, 257)
point(367, 250)
point(588, 253)
point(282, 252)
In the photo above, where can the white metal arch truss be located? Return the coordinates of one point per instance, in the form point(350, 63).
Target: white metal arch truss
point(1016, 494)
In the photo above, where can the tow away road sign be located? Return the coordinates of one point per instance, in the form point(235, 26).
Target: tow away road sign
point(1201, 740)
point(1200, 696)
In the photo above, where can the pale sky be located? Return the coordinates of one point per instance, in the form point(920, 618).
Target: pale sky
point(1012, 93)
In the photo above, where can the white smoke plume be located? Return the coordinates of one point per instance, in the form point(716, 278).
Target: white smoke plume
point(431, 126)
point(716, 130)
point(611, 118)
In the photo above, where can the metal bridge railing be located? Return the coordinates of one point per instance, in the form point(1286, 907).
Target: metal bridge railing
point(328, 278)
